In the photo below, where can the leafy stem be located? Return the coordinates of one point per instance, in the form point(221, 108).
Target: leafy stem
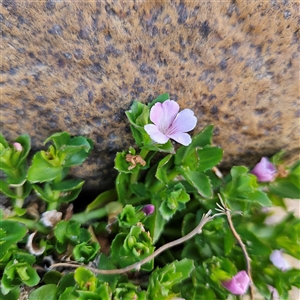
point(136, 266)
point(90, 215)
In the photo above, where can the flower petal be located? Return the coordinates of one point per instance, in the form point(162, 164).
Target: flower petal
point(278, 260)
point(181, 138)
point(156, 135)
point(265, 171)
point(185, 121)
point(163, 114)
point(238, 284)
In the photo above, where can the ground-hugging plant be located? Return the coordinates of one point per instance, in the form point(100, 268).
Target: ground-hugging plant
point(172, 228)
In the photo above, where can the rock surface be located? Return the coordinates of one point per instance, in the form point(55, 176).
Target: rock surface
point(77, 66)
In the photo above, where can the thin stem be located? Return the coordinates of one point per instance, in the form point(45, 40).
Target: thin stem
point(90, 215)
point(20, 200)
point(242, 245)
point(52, 206)
point(205, 219)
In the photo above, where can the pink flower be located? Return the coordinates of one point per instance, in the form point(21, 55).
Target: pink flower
point(238, 284)
point(169, 124)
point(278, 261)
point(18, 147)
point(264, 170)
point(148, 209)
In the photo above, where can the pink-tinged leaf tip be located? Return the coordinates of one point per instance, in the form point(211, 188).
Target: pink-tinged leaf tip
point(18, 147)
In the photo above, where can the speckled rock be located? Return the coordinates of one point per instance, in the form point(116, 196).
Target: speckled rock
point(77, 66)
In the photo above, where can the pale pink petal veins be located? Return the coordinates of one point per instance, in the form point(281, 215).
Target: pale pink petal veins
point(155, 134)
point(181, 138)
point(238, 284)
point(163, 114)
point(185, 121)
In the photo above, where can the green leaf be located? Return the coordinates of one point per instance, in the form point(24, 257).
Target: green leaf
point(75, 155)
point(139, 189)
point(83, 277)
point(283, 187)
point(122, 186)
point(277, 201)
point(166, 211)
point(102, 199)
point(209, 157)
point(137, 135)
point(162, 169)
point(259, 197)
point(126, 249)
point(60, 231)
point(156, 222)
point(175, 201)
point(162, 281)
point(135, 111)
point(295, 169)
point(46, 194)
point(59, 139)
point(198, 180)
point(106, 263)
point(85, 252)
point(122, 165)
point(197, 292)
point(255, 246)
point(6, 190)
point(17, 272)
point(185, 267)
point(41, 170)
point(20, 211)
point(188, 224)
point(127, 290)
point(52, 277)
point(10, 233)
point(66, 281)
point(3, 141)
point(152, 146)
point(68, 185)
point(202, 139)
point(48, 291)
point(128, 217)
point(229, 242)
point(277, 158)
point(69, 294)
point(161, 98)
point(70, 196)
point(24, 140)
point(12, 295)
